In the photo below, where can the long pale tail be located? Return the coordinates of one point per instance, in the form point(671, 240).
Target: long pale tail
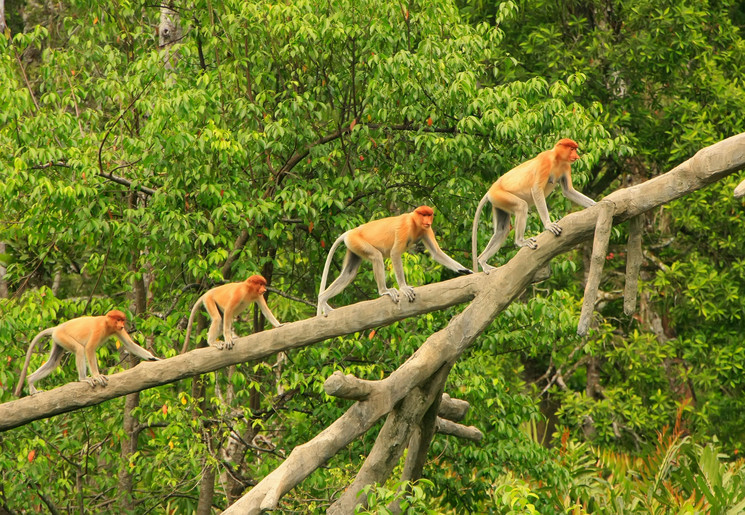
point(327, 266)
point(24, 371)
point(191, 321)
point(474, 235)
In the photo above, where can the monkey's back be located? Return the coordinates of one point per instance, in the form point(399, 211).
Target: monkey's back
point(520, 180)
point(381, 234)
point(79, 328)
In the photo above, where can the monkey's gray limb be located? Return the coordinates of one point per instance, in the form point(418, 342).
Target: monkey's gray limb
point(634, 260)
point(603, 227)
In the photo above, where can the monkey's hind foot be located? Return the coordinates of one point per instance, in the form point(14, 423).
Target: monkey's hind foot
point(226, 345)
point(528, 242)
point(409, 292)
point(392, 293)
point(554, 228)
point(100, 379)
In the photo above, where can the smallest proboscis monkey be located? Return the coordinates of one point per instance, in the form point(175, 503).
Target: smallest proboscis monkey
point(81, 336)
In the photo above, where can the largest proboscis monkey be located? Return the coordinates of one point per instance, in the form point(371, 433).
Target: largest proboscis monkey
point(380, 239)
point(81, 336)
point(224, 303)
point(527, 184)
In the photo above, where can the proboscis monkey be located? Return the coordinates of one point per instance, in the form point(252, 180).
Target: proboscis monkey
point(81, 336)
point(527, 184)
point(377, 240)
point(224, 303)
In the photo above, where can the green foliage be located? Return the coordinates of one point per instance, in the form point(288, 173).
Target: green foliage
point(409, 497)
point(277, 126)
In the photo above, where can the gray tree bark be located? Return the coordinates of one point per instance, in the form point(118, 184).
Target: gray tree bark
point(169, 32)
point(3, 271)
point(3, 25)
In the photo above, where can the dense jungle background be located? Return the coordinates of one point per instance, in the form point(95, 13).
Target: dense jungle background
point(141, 166)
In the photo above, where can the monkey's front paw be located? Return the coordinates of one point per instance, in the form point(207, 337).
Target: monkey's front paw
point(554, 228)
point(487, 268)
point(228, 344)
point(528, 242)
point(409, 292)
point(392, 293)
point(465, 271)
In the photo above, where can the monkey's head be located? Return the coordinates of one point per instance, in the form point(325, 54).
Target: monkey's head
point(116, 319)
point(567, 149)
point(257, 283)
point(425, 215)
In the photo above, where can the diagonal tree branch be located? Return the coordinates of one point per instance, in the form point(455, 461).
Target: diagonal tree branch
point(495, 292)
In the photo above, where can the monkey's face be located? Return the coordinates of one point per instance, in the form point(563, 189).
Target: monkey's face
point(569, 153)
point(426, 221)
point(116, 324)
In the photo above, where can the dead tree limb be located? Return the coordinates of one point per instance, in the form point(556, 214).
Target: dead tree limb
point(393, 439)
point(603, 227)
point(341, 321)
point(634, 258)
point(447, 427)
point(495, 292)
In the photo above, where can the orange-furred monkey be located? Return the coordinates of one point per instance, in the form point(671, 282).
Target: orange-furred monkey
point(229, 300)
point(379, 239)
point(526, 185)
point(81, 336)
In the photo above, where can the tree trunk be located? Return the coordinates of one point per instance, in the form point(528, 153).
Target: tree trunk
point(132, 401)
point(169, 32)
point(3, 25)
point(207, 481)
point(3, 271)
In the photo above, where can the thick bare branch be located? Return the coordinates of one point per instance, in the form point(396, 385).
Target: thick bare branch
point(447, 427)
point(634, 258)
point(453, 409)
point(341, 321)
point(740, 190)
point(603, 226)
point(348, 387)
point(392, 440)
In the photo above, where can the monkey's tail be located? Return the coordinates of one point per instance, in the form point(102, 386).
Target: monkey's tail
point(327, 266)
point(474, 235)
point(191, 321)
point(24, 370)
